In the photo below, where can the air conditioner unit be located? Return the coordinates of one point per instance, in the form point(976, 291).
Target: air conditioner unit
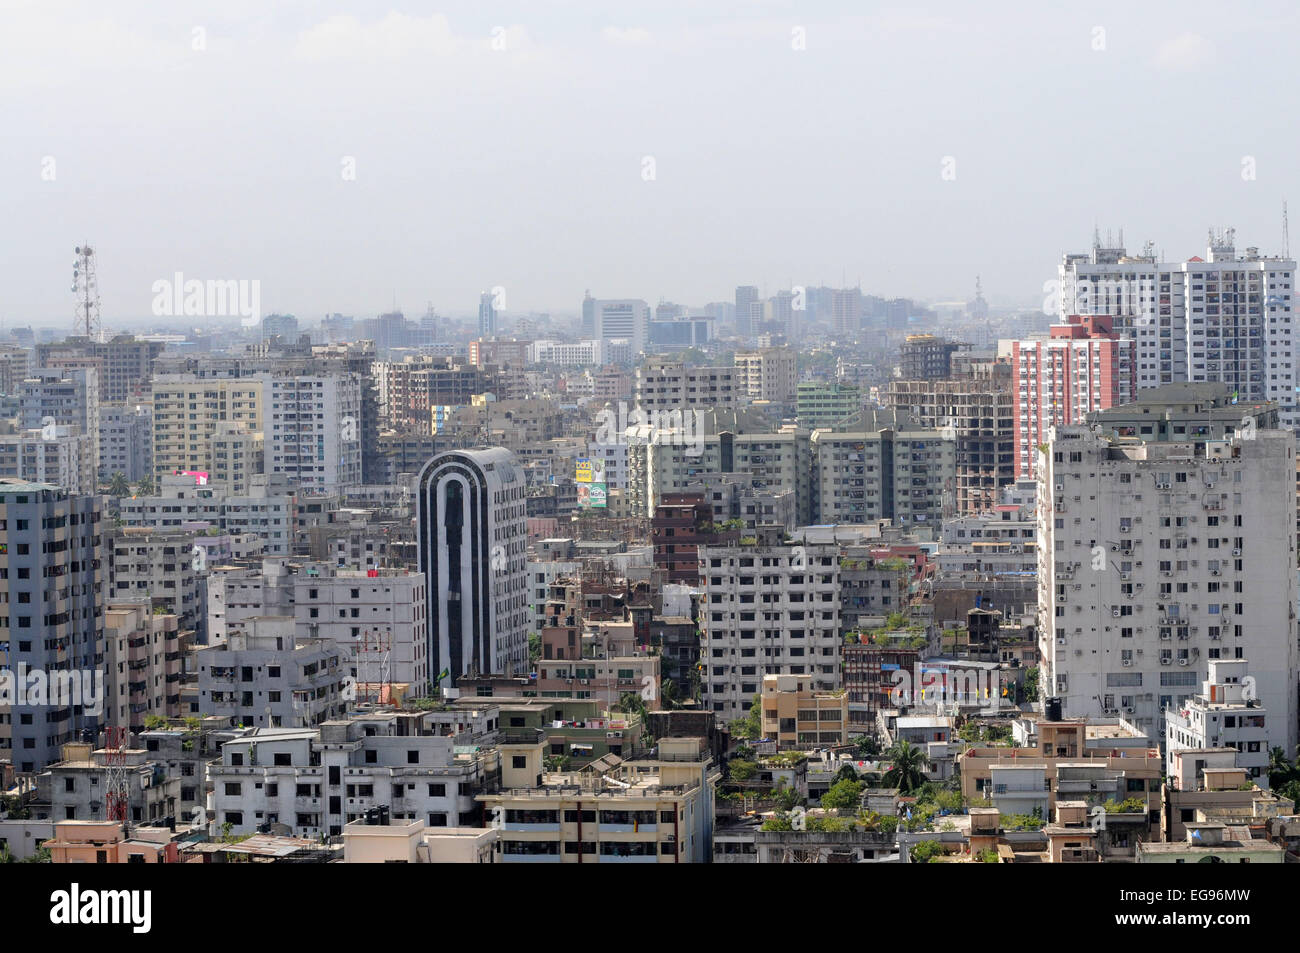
point(1128, 710)
point(1114, 547)
point(1236, 552)
point(1060, 641)
point(584, 681)
point(1127, 662)
point(1060, 487)
point(1166, 661)
point(1115, 613)
point(1124, 576)
point(1214, 572)
point(1182, 661)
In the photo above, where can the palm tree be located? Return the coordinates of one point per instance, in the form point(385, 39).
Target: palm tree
point(907, 767)
point(118, 486)
point(146, 486)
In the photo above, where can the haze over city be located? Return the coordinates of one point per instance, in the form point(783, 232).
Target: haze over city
point(906, 148)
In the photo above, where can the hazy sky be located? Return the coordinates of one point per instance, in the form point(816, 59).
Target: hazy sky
point(524, 167)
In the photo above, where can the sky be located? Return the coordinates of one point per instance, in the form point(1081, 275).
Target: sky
point(353, 156)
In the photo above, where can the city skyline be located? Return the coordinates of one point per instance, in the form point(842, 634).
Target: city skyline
point(363, 158)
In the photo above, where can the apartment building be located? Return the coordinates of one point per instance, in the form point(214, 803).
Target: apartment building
point(123, 365)
point(796, 716)
point(1223, 317)
point(311, 430)
point(825, 404)
point(978, 405)
point(159, 569)
point(611, 812)
point(317, 780)
point(236, 595)
point(52, 573)
point(125, 441)
point(879, 465)
point(1071, 761)
point(768, 608)
point(186, 411)
point(143, 666)
point(1225, 714)
point(768, 374)
point(75, 787)
point(377, 618)
point(1156, 559)
point(265, 676)
point(663, 384)
point(63, 456)
point(238, 455)
point(1083, 367)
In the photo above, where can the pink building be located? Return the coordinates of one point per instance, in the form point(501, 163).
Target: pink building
point(1083, 366)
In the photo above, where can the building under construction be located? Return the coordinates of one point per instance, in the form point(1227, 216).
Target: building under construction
point(980, 406)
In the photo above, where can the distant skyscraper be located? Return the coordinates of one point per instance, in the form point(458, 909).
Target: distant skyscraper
point(487, 316)
point(624, 319)
point(846, 310)
point(473, 537)
point(746, 298)
point(588, 315)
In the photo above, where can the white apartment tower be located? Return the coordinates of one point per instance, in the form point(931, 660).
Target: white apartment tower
point(311, 430)
point(767, 609)
point(1156, 559)
point(1220, 318)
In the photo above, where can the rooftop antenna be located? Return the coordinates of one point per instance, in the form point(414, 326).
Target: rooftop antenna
point(116, 789)
point(1286, 234)
point(85, 286)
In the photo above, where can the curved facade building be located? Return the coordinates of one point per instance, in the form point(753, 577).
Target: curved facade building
point(472, 531)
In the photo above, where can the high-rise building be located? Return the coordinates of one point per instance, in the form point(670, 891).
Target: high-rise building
point(880, 465)
point(65, 397)
point(626, 319)
point(1083, 367)
point(663, 384)
point(846, 311)
point(311, 430)
point(186, 411)
point(472, 541)
point(926, 357)
point(1224, 317)
point(487, 315)
point(54, 629)
point(746, 299)
point(979, 406)
point(1158, 557)
point(123, 365)
point(767, 374)
point(767, 608)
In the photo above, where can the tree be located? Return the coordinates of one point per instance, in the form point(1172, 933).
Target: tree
point(868, 747)
point(750, 726)
point(846, 773)
point(145, 486)
point(534, 648)
point(154, 722)
point(924, 852)
point(742, 770)
point(907, 767)
point(843, 795)
point(118, 486)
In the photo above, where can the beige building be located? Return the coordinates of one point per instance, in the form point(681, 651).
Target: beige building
point(187, 411)
point(797, 716)
point(414, 843)
point(142, 655)
point(237, 455)
point(766, 374)
point(612, 811)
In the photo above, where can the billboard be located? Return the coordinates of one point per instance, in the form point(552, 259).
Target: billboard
point(591, 495)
